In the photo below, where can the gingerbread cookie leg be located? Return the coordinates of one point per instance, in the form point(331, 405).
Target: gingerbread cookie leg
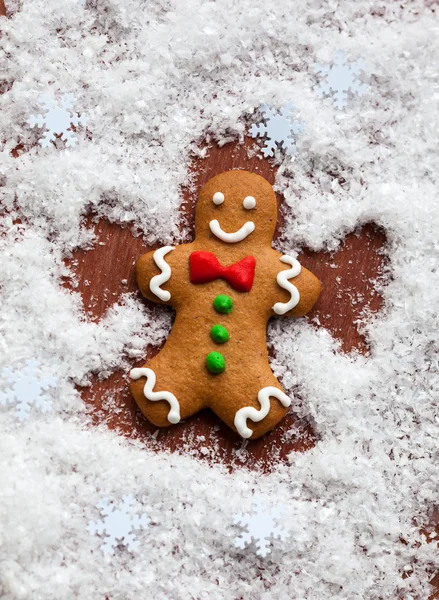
point(253, 412)
point(162, 402)
point(173, 415)
point(250, 413)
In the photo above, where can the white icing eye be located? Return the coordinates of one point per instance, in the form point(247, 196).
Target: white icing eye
point(249, 202)
point(218, 198)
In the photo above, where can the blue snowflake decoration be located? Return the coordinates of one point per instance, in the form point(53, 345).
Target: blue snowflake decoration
point(57, 120)
point(279, 128)
point(340, 78)
point(260, 526)
point(25, 388)
point(118, 525)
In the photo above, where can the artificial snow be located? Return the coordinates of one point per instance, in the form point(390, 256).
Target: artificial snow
point(155, 79)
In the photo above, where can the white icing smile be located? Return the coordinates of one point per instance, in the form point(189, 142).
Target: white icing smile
point(236, 236)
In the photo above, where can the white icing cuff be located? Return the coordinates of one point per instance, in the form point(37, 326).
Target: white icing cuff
point(280, 308)
point(163, 277)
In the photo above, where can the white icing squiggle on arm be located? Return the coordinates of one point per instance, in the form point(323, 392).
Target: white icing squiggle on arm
point(280, 308)
point(158, 280)
point(174, 413)
point(249, 412)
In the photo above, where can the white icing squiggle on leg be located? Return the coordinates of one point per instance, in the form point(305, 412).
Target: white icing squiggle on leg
point(163, 277)
point(249, 412)
point(280, 308)
point(174, 413)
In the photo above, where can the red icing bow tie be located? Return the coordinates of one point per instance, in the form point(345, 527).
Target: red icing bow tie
point(205, 267)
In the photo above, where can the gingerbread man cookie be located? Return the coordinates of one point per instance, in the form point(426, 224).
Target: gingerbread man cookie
point(224, 286)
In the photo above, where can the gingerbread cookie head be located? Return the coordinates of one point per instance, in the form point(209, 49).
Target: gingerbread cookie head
point(237, 207)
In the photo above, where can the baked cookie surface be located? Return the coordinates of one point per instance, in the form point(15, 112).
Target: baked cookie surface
point(224, 286)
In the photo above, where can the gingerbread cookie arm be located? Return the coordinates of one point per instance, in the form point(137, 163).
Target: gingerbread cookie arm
point(298, 289)
point(156, 274)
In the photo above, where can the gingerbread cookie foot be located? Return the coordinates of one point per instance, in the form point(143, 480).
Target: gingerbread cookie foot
point(173, 415)
point(255, 415)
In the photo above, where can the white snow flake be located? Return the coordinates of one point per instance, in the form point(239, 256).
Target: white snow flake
point(118, 525)
point(24, 388)
point(261, 526)
point(340, 77)
point(279, 128)
point(58, 119)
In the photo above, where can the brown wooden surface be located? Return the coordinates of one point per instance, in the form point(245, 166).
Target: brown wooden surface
point(107, 271)
point(349, 292)
point(350, 278)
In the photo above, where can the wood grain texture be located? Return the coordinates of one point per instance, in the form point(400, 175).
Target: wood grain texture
point(349, 292)
point(107, 271)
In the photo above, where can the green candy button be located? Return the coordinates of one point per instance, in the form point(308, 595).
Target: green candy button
point(215, 363)
point(219, 334)
point(223, 304)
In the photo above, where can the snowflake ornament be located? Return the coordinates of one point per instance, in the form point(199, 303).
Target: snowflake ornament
point(261, 526)
point(25, 388)
point(58, 120)
point(118, 525)
point(341, 77)
point(279, 128)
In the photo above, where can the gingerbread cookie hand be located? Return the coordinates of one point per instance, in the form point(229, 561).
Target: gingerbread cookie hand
point(159, 275)
point(302, 289)
point(225, 286)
